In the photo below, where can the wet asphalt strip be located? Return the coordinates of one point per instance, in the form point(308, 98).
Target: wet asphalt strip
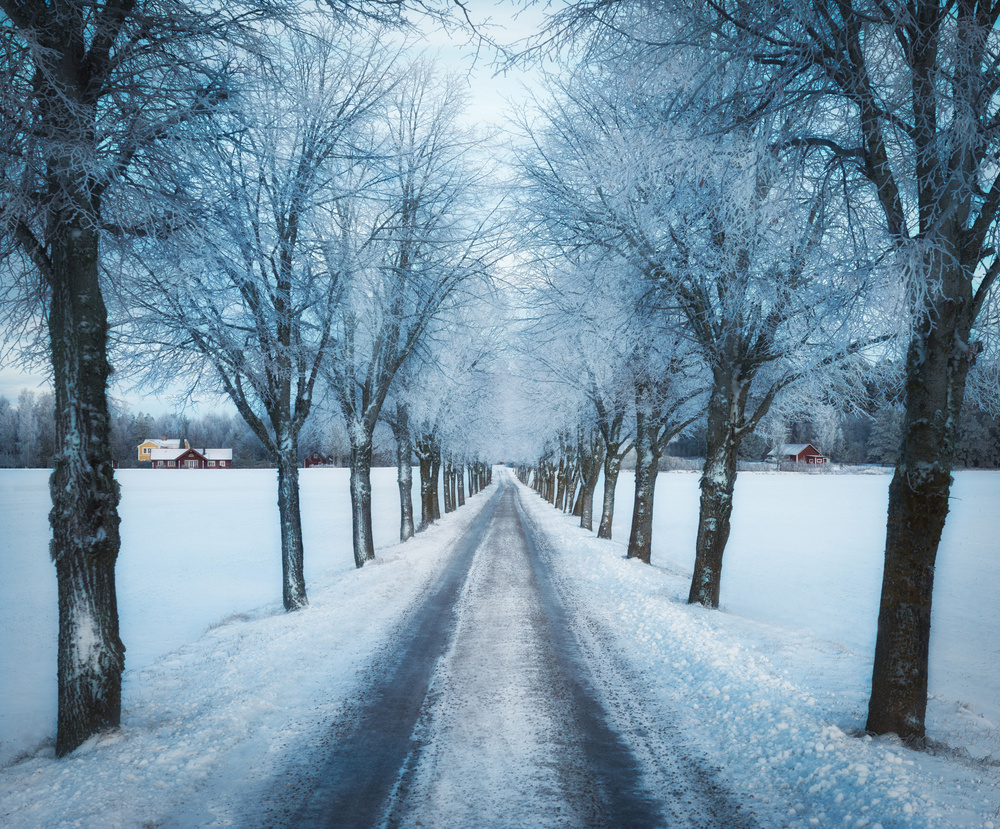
point(366, 759)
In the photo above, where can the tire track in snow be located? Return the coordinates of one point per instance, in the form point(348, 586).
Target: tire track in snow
point(625, 741)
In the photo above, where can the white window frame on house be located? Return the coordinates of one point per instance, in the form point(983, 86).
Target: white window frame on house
point(211, 463)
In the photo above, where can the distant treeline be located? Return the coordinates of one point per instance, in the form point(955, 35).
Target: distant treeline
point(863, 439)
point(27, 435)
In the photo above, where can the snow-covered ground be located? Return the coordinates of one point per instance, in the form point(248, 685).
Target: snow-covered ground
point(198, 547)
point(221, 685)
point(806, 554)
point(773, 687)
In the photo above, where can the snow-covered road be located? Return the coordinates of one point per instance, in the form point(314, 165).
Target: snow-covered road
point(489, 713)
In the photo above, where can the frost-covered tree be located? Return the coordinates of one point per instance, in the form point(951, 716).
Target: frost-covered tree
point(718, 230)
point(447, 391)
point(669, 396)
point(413, 248)
point(96, 96)
point(575, 340)
point(256, 284)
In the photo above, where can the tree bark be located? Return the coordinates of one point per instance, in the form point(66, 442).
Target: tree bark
point(361, 495)
point(449, 485)
point(404, 471)
point(560, 499)
point(435, 495)
point(289, 516)
point(647, 465)
point(612, 466)
point(718, 479)
point(572, 479)
point(428, 483)
point(589, 473)
point(460, 484)
point(937, 366)
point(84, 517)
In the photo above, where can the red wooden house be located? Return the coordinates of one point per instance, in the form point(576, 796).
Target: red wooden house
point(317, 459)
point(797, 453)
point(190, 458)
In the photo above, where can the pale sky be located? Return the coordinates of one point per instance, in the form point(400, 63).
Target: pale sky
point(490, 92)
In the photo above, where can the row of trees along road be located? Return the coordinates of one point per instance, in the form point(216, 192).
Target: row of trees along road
point(792, 187)
point(233, 184)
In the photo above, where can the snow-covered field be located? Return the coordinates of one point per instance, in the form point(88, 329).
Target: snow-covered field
point(197, 547)
point(806, 554)
point(220, 684)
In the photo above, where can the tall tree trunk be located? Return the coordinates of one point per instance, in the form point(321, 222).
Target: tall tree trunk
point(435, 496)
point(937, 365)
point(612, 467)
point(460, 484)
point(647, 465)
point(718, 478)
point(361, 495)
point(84, 517)
point(572, 482)
point(450, 499)
point(589, 473)
point(404, 471)
point(560, 482)
point(293, 583)
point(428, 483)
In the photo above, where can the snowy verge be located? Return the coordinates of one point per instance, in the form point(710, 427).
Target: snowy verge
point(774, 708)
point(210, 724)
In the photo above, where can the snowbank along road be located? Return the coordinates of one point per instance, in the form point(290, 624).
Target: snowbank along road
point(500, 706)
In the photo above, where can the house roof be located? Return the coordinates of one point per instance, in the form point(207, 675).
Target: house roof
point(166, 454)
point(174, 454)
point(793, 449)
point(173, 443)
point(218, 454)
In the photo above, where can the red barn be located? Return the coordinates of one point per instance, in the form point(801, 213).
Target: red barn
point(797, 453)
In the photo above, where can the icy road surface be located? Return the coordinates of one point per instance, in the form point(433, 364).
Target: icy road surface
point(493, 710)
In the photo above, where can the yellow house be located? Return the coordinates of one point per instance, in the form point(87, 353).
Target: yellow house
point(149, 444)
